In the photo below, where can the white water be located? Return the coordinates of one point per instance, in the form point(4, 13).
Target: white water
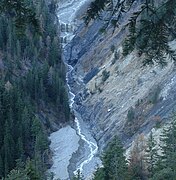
point(68, 8)
point(92, 146)
point(67, 14)
point(64, 145)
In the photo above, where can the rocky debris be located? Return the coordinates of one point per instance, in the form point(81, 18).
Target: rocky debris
point(106, 106)
point(64, 143)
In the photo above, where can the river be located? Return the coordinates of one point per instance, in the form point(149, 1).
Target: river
point(73, 148)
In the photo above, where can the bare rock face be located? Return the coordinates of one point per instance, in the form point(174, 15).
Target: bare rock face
point(117, 95)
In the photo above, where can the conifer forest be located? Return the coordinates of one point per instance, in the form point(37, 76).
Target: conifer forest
point(87, 89)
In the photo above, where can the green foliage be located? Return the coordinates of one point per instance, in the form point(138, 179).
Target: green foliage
point(31, 170)
point(158, 124)
point(149, 32)
point(114, 163)
point(168, 149)
point(150, 28)
point(32, 80)
point(22, 13)
point(17, 139)
point(99, 174)
point(16, 174)
point(96, 7)
point(163, 174)
point(114, 9)
point(151, 155)
point(148, 160)
point(129, 43)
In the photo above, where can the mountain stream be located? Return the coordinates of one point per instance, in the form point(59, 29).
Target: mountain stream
point(72, 145)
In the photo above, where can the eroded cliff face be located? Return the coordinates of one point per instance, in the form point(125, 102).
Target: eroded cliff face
point(116, 95)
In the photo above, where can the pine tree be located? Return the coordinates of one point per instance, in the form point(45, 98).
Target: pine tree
point(99, 174)
point(36, 126)
point(8, 149)
point(26, 124)
point(20, 149)
point(1, 167)
point(167, 166)
point(152, 156)
point(150, 28)
point(31, 170)
point(95, 9)
point(114, 163)
point(24, 14)
point(23, 92)
point(17, 175)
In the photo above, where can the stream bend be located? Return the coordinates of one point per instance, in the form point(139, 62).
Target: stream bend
point(66, 141)
point(92, 146)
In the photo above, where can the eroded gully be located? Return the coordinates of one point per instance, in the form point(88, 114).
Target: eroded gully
point(72, 145)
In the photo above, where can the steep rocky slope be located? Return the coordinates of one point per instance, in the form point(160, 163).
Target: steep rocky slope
point(117, 95)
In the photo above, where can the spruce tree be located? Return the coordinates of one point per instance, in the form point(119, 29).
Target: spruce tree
point(167, 166)
point(23, 14)
point(151, 157)
point(24, 83)
point(99, 174)
point(1, 166)
point(31, 170)
point(150, 27)
point(114, 163)
point(17, 175)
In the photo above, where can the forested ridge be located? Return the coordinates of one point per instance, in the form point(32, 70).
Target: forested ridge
point(32, 86)
point(32, 81)
point(148, 158)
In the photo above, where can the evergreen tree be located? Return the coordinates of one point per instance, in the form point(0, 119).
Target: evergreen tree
point(1, 166)
point(150, 28)
point(99, 174)
point(31, 170)
point(167, 166)
point(151, 155)
point(114, 163)
point(24, 87)
point(17, 175)
point(22, 12)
